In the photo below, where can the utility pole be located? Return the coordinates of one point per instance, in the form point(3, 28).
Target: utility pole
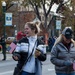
point(4, 10)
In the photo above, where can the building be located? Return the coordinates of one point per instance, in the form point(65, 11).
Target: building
point(20, 16)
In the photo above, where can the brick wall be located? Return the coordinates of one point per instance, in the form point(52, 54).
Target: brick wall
point(19, 19)
point(23, 18)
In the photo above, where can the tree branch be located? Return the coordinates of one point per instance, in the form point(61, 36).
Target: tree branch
point(35, 7)
point(37, 12)
point(60, 5)
point(51, 3)
point(44, 9)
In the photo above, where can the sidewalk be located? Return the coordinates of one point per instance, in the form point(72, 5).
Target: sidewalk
point(8, 56)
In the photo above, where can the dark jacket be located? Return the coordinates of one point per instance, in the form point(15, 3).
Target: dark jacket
point(21, 62)
point(2, 41)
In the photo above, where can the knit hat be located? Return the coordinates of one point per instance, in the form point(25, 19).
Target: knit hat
point(67, 32)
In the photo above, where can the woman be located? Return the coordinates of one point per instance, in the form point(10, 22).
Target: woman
point(63, 53)
point(34, 47)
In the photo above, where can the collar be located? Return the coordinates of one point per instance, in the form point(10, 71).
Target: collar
point(32, 37)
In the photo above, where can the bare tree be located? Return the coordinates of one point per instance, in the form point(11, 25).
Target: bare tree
point(41, 4)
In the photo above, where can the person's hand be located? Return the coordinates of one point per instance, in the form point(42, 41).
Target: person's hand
point(15, 57)
point(37, 53)
point(68, 63)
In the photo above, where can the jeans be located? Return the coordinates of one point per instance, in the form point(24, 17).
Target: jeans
point(73, 73)
point(26, 73)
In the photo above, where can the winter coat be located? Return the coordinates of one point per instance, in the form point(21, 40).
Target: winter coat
point(38, 60)
point(60, 54)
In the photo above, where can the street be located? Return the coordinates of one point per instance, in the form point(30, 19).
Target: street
point(7, 67)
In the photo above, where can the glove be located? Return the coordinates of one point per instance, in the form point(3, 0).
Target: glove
point(68, 63)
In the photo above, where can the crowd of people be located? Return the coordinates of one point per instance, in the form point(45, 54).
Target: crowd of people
point(31, 51)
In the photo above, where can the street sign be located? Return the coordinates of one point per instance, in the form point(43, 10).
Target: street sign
point(8, 19)
point(58, 24)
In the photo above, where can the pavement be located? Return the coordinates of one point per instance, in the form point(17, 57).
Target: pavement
point(8, 56)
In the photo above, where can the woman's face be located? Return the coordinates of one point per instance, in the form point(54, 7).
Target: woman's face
point(28, 31)
point(66, 40)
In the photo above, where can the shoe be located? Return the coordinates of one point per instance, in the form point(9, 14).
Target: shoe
point(3, 59)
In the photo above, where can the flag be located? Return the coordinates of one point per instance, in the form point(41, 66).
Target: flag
point(11, 47)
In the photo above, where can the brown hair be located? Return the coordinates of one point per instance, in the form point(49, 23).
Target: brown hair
point(34, 26)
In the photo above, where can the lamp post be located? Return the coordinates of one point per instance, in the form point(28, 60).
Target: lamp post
point(15, 31)
point(4, 10)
